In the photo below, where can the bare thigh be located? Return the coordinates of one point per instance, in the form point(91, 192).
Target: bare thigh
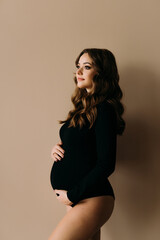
point(96, 236)
point(83, 220)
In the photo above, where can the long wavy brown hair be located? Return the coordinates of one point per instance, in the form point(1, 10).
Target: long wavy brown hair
point(105, 87)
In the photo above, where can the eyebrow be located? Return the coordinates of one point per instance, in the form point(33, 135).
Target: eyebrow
point(86, 62)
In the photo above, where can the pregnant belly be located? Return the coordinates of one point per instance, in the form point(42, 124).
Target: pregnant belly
point(61, 175)
point(66, 172)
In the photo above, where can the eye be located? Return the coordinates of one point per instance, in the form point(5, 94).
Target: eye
point(87, 67)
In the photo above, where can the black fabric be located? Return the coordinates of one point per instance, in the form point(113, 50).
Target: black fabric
point(89, 158)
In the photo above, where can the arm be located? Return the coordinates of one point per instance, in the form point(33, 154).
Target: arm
point(105, 131)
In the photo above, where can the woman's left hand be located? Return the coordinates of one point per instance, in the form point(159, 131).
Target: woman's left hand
point(63, 197)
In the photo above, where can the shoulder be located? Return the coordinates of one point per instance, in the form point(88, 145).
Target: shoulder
point(105, 107)
point(106, 115)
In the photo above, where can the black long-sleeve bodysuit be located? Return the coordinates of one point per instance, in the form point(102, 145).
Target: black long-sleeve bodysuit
point(89, 158)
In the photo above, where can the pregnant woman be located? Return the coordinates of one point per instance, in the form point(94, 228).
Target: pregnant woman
point(86, 155)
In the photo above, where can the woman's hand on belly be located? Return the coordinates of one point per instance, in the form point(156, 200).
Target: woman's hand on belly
point(57, 152)
point(63, 197)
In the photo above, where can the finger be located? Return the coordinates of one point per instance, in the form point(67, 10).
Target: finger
point(56, 157)
point(57, 146)
point(57, 152)
point(53, 156)
point(60, 151)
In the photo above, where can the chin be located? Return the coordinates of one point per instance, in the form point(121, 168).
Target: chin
point(81, 85)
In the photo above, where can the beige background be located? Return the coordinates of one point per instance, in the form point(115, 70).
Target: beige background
point(39, 42)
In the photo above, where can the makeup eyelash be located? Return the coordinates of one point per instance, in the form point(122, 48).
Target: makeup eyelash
point(87, 67)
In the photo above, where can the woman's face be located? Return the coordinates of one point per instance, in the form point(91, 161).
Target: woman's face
point(85, 72)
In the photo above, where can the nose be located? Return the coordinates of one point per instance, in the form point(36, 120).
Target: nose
point(79, 71)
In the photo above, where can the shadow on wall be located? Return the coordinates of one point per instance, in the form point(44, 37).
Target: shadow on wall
point(137, 177)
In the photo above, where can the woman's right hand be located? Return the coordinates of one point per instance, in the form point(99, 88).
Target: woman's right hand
point(57, 152)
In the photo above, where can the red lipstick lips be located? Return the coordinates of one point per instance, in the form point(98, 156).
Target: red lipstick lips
point(80, 79)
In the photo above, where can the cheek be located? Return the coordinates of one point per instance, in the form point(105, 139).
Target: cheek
point(91, 76)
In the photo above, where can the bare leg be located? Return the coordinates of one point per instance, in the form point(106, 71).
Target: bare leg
point(85, 219)
point(96, 236)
